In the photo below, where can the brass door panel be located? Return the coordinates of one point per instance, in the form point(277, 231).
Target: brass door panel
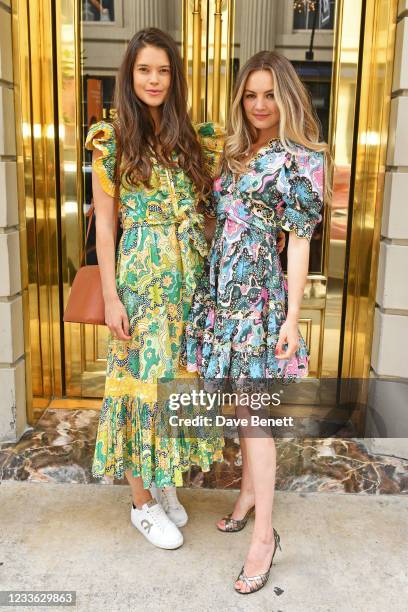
point(37, 159)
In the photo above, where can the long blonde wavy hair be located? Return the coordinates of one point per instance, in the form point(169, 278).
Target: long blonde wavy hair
point(298, 121)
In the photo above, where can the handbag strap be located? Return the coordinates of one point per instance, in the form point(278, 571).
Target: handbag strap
point(117, 179)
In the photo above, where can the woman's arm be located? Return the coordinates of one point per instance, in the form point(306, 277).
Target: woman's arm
point(298, 265)
point(115, 314)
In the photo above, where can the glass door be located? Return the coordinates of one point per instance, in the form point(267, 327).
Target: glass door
point(215, 37)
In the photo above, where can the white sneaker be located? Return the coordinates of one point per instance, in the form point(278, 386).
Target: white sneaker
point(167, 497)
point(152, 521)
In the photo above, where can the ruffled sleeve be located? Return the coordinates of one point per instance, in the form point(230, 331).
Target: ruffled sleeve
point(101, 136)
point(211, 137)
point(302, 192)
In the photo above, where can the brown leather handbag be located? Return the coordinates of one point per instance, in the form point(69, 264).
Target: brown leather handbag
point(85, 302)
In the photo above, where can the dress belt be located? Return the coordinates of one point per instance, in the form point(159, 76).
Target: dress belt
point(271, 231)
point(189, 233)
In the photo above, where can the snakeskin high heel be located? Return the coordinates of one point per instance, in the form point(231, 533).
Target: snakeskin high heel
point(255, 583)
point(233, 525)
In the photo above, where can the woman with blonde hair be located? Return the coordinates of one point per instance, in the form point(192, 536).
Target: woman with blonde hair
point(243, 324)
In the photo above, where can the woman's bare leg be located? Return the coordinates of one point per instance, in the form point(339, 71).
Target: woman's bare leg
point(246, 497)
point(139, 495)
point(261, 456)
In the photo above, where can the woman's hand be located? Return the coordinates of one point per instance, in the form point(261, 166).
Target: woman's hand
point(116, 319)
point(280, 244)
point(289, 335)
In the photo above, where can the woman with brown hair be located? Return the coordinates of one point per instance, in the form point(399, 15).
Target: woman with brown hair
point(164, 181)
point(243, 324)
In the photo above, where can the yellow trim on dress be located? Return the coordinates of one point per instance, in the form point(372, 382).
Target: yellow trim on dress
point(101, 136)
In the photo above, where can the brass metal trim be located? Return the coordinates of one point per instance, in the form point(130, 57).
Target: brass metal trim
point(372, 136)
point(217, 60)
point(196, 106)
point(343, 100)
point(184, 37)
point(33, 58)
point(228, 67)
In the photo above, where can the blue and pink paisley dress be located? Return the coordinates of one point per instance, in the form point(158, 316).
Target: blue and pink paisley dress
point(241, 300)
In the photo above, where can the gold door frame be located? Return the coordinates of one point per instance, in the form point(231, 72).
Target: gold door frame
point(370, 161)
point(46, 43)
point(371, 150)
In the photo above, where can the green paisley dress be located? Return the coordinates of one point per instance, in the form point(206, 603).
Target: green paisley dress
point(160, 257)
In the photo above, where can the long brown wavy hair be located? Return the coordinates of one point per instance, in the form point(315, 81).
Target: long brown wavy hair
point(298, 123)
point(136, 127)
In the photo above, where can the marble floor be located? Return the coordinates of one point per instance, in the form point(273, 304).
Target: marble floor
point(60, 449)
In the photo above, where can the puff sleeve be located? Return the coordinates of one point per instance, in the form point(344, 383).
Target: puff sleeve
point(211, 138)
point(101, 136)
point(302, 192)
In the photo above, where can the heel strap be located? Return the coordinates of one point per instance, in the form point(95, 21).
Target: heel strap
point(258, 581)
point(232, 524)
point(277, 540)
